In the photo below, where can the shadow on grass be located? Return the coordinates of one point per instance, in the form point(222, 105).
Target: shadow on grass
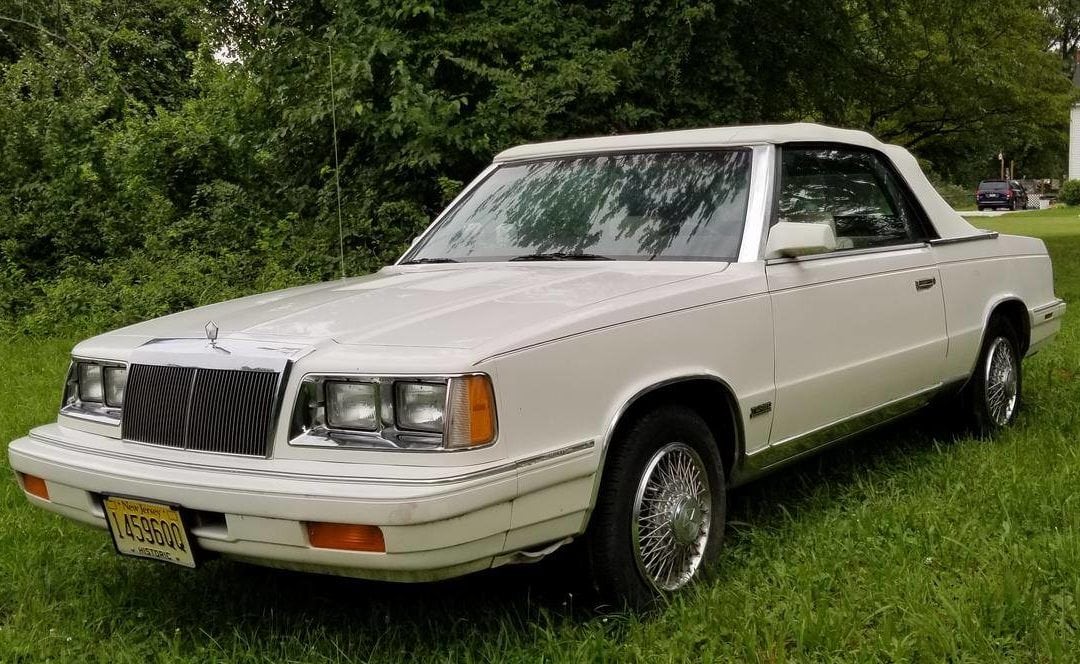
point(797, 487)
point(231, 601)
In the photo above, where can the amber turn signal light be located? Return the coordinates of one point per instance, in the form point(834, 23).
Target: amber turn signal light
point(471, 417)
point(346, 537)
point(481, 410)
point(35, 486)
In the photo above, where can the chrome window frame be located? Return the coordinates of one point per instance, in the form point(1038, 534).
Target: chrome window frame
point(844, 253)
point(926, 226)
point(759, 210)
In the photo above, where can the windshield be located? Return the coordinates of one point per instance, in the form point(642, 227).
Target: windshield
point(664, 206)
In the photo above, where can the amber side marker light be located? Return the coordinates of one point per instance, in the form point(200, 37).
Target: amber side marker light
point(346, 537)
point(481, 410)
point(35, 486)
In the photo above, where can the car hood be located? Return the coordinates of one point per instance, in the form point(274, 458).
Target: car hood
point(452, 306)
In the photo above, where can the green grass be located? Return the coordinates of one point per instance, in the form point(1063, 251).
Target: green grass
point(906, 546)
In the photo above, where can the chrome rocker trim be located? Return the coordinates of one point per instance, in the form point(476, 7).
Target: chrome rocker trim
point(786, 451)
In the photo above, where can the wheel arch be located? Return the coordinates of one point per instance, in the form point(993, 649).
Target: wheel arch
point(1013, 310)
point(1016, 313)
point(700, 392)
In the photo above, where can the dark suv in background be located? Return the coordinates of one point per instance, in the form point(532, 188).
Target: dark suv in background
point(1007, 194)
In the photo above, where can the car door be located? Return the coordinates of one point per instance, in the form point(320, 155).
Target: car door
point(859, 332)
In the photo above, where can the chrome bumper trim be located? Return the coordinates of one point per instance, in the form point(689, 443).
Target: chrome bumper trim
point(1046, 307)
point(494, 471)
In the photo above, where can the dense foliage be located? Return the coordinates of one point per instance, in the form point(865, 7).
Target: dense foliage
point(163, 154)
point(1070, 192)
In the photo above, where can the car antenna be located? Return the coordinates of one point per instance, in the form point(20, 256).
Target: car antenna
point(337, 167)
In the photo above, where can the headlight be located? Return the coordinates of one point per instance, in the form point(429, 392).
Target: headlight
point(351, 405)
point(95, 391)
point(91, 384)
point(420, 406)
point(430, 413)
point(115, 382)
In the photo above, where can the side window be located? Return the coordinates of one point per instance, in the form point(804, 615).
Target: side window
point(849, 189)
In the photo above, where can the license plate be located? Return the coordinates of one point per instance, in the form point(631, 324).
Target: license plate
point(149, 530)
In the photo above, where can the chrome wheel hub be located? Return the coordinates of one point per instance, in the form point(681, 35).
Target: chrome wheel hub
point(1002, 381)
point(687, 520)
point(671, 518)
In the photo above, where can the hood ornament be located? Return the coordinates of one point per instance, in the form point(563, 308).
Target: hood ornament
point(211, 336)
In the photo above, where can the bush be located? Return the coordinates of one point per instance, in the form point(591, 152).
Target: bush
point(1070, 192)
point(956, 196)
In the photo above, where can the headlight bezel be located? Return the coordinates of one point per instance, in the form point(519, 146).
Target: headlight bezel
point(74, 402)
point(309, 427)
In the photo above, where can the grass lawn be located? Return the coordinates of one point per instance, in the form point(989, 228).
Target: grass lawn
point(906, 545)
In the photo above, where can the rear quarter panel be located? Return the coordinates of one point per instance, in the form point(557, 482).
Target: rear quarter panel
point(978, 276)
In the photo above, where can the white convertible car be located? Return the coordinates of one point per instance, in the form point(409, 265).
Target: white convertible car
point(596, 340)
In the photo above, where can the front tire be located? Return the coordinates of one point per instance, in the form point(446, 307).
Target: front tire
point(659, 517)
point(992, 396)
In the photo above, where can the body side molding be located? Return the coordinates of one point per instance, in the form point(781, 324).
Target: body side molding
point(786, 451)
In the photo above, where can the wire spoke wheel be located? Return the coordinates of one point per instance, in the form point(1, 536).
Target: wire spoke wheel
point(1001, 381)
point(671, 517)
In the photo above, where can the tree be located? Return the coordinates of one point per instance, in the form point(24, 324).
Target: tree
point(1064, 15)
point(144, 174)
point(954, 81)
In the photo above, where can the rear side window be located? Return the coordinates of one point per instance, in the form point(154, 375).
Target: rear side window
point(849, 189)
point(993, 186)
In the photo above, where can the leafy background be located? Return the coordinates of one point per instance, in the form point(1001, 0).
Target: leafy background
point(163, 154)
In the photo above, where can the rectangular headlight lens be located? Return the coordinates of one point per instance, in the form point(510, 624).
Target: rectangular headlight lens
point(91, 386)
point(115, 382)
point(420, 406)
point(351, 405)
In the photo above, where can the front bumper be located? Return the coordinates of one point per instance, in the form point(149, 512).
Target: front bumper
point(434, 527)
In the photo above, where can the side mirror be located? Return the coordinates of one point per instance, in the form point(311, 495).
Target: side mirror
point(789, 239)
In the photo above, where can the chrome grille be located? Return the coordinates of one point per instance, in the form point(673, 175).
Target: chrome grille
point(210, 410)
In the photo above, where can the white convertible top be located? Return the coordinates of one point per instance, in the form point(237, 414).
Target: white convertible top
point(947, 222)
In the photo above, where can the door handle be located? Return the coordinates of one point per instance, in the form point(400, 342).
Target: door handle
point(925, 284)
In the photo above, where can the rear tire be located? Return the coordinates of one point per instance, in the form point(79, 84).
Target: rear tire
point(992, 396)
point(659, 517)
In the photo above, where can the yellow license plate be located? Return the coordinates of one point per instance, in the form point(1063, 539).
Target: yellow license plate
point(149, 530)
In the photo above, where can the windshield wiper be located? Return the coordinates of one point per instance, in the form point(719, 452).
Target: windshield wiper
point(561, 256)
point(428, 261)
